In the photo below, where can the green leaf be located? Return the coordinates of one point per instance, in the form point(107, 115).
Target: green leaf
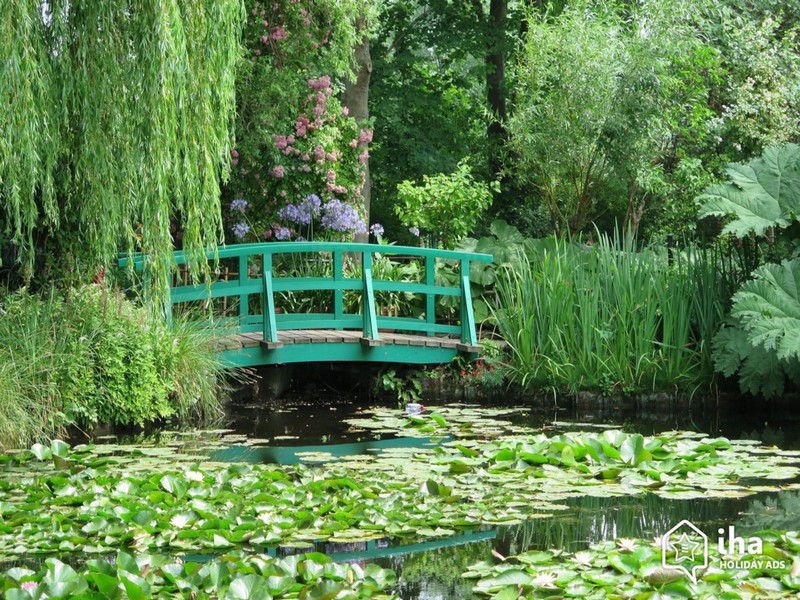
point(41, 452)
point(761, 194)
point(438, 419)
point(59, 449)
point(325, 590)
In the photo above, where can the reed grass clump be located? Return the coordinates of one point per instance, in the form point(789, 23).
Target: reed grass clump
point(608, 317)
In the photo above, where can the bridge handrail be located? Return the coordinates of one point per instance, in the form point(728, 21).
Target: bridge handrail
point(236, 250)
point(369, 322)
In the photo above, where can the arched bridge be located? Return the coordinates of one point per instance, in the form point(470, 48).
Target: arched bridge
point(290, 302)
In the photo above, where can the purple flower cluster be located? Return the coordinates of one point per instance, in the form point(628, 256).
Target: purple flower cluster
point(240, 230)
point(414, 231)
point(376, 229)
point(239, 205)
point(302, 213)
point(338, 216)
point(282, 233)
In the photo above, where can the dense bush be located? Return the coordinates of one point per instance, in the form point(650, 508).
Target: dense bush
point(761, 341)
point(91, 356)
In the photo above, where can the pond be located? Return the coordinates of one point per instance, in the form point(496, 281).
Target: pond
point(322, 424)
point(332, 428)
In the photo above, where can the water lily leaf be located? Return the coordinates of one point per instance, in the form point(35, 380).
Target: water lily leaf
point(514, 577)
point(247, 587)
point(174, 485)
point(438, 419)
point(107, 585)
point(59, 449)
point(41, 452)
point(62, 580)
point(325, 590)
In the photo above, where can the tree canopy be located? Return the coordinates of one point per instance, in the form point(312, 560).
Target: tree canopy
point(115, 124)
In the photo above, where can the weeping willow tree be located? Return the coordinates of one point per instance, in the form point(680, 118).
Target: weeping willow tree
point(115, 125)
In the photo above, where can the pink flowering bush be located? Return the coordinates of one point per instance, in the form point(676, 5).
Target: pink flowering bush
point(294, 139)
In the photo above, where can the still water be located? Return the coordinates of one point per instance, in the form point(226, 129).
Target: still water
point(299, 426)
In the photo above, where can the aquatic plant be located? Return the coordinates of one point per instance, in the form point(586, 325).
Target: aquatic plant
point(154, 499)
point(605, 317)
point(633, 568)
point(312, 576)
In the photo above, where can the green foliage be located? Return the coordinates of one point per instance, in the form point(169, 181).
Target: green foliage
point(589, 122)
point(406, 389)
point(91, 356)
point(232, 576)
point(446, 206)
point(762, 194)
point(763, 341)
point(760, 341)
point(294, 138)
point(638, 568)
point(110, 154)
point(175, 502)
point(604, 317)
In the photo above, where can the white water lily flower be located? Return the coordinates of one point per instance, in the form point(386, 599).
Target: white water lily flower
point(545, 580)
point(583, 558)
point(179, 521)
point(626, 544)
point(194, 476)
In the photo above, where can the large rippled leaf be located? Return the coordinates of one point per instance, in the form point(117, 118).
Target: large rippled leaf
point(768, 308)
point(763, 341)
point(763, 193)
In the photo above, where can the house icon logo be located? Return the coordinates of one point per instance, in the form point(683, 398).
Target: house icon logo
point(684, 547)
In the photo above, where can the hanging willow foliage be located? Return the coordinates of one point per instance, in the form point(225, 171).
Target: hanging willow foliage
point(116, 120)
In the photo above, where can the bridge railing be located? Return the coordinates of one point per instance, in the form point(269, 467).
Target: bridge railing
point(267, 272)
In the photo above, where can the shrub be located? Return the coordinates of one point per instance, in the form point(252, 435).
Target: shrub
point(91, 356)
point(761, 341)
point(446, 206)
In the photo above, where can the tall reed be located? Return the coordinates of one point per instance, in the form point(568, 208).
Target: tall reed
point(605, 317)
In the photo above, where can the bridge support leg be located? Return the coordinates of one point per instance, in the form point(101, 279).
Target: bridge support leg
point(370, 331)
point(469, 338)
point(268, 307)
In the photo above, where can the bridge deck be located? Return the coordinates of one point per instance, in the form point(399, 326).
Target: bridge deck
point(309, 345)
point(323, 336)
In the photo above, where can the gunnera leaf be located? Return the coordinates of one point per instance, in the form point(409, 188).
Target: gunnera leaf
point(763, 193)
point(763, 341)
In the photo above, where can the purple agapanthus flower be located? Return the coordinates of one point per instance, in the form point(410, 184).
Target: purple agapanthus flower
point(282, 233)
point(376, 229)
point(239, 205)
point(414, 231)
point(240, 230)
point(342, 217)
point(303, 213)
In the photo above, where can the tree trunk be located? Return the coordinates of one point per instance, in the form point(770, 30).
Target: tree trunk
point(495, 82)
point(356, 99)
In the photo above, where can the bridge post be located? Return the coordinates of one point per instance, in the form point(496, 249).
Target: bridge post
point(469, 338)
point(244, 275)
point(430, 299)
point(338, 294)
point(268, 304)
point(370, 331)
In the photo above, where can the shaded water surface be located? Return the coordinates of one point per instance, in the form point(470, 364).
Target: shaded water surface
point(299, 426)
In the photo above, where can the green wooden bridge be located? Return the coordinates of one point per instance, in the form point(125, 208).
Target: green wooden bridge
point(276, 304)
